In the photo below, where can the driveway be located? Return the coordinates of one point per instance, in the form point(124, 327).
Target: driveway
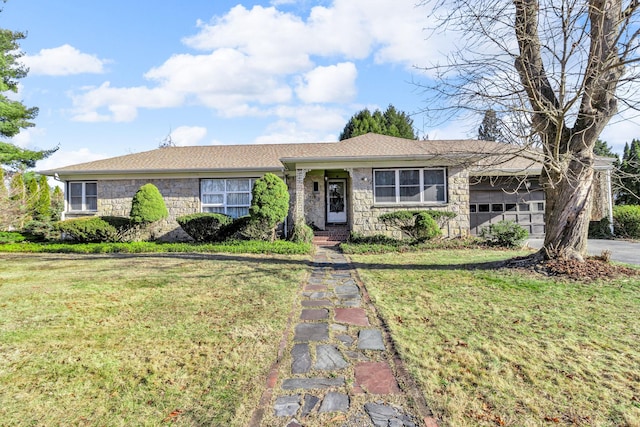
point(621, 250)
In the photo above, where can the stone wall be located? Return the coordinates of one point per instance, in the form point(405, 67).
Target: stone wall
point(182, 197)
point(315, 201)
point(364, 214)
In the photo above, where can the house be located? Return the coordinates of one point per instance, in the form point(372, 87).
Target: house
point(342, 186)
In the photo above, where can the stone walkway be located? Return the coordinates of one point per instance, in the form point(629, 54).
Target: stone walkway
point(337, 367)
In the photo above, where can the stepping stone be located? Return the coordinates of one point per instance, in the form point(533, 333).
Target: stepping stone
point(301, 359)
point(319, 295)
point(312, 383)
point(316, 303)
point(356, 355)
point(287, 406)
point(370, 339)
point(335, 402)
point(310, 402)
point(345, 339)
point(305, 332)
point(338, 328)
point(314, 287)
point(375, 378)
point(384, 416)
point(293, 423)
point(328, 358)
point(314, 314)
point(351, 316)
point(347, 291)
point(352, 302)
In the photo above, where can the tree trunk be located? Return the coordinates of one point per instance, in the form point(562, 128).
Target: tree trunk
point(568, 196)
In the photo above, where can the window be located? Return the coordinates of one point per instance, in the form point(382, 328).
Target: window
point(410, 186)
point(226, 196)
point(83, 196)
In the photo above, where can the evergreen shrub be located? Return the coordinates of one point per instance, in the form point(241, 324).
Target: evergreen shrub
point(505, 234)
point(88, 230)
point(204, 227)
point(626, 221)
point(302, 233)
point(269, 206)
point(148, 205)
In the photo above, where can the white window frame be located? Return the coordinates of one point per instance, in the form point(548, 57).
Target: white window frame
point(225, 206)
point(422, 200)
point(84, 207)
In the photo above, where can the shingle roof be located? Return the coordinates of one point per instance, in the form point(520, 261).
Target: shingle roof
point(272, 156)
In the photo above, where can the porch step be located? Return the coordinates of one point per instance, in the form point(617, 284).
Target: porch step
point(331, 236)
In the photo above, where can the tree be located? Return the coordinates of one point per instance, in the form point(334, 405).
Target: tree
point(629, 175)
point(391, 122)
point(555, 69)
point(602, 149)
point(489, 129)
point(14, 115)
point(42, 211)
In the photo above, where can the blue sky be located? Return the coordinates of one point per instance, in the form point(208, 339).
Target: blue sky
point(116, 77)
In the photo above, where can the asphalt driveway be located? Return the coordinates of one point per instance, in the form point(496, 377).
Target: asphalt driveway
point(621, 250)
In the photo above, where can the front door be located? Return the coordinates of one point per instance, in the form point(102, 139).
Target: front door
point(336, 201)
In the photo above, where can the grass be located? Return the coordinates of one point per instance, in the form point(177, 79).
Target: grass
point(145, 340)
point(237, 247)
point(502, 348)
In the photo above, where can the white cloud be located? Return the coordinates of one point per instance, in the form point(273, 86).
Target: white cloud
point(335, 83)
point(64, 60)
point(65, 158)
point(252, 61)
point(188, 135)
point(27, 138)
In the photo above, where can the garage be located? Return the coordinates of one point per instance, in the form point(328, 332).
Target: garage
point(494, 199)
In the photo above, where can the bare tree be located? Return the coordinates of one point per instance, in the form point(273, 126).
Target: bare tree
point(557, 71)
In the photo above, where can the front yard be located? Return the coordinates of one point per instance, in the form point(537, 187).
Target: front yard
point(139, 339)
point(504, 348)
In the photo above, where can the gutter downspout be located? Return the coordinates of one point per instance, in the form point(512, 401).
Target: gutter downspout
point(610, 199)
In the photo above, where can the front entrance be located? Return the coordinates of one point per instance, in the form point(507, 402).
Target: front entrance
point(336, 201)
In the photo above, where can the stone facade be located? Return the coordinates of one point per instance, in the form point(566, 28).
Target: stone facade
point(182, 197)
point(364, 213)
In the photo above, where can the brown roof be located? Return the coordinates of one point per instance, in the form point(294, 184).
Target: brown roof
point(272, 156)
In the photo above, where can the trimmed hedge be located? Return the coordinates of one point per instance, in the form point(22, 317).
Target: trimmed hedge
point(204, 227)
point(88, 230)
point(418, 224)
point(148, 205)
point(302, 233)
point(11, 237)
point(626, 221)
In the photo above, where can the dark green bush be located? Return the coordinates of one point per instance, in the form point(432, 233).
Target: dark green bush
point(88, 230)
point(376, 239)
point(269, 206)
point(148, 205)
point(39, 231)
point(302, 233)
point(626, 221)
point(506, 234)
point(204, 227)
point(417, 224)
point(600, 229)
point(11, 237)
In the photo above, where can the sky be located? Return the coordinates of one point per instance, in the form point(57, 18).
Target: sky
point(118, 77)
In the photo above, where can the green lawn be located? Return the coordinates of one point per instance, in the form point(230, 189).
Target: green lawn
point(501, 348)
point(140, 340)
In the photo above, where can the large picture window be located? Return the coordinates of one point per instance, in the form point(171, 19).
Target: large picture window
point(226, 196)
point(410, 186)
point(83, 196)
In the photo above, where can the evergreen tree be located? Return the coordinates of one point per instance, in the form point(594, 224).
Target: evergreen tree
point(16, 187)
point(489, 129)
point(57, 204)
point(603, 149)
point(42, 209)
point(4, 193)
point(629, 175)
point(14, 115)
point(392, 122)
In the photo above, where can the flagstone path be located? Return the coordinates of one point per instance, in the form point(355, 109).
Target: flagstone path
point(337, 366)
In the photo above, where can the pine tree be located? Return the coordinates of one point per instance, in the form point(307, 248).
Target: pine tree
point(489, 129)
point(42, 209)
point(391, 122)
point(629, 175)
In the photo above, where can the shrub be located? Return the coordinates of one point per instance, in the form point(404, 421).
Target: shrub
point(11, 237)
point(88, 230)
point(236, 230)
point(302, 233)
point(204, 227)
point(626, 221)
point(39, 231)
point(148, 205)
point(269, 206)
point(600, 229)
point(426, 228)
point(506, 234)
point(418, 224)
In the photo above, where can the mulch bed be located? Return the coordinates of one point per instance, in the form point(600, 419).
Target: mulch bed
point(591, 269)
